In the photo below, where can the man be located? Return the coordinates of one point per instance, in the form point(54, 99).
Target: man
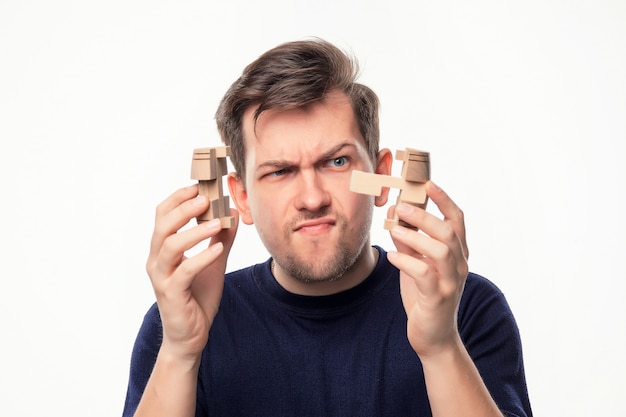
point(329, 325)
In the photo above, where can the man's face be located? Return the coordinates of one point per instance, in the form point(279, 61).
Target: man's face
point(298, 168)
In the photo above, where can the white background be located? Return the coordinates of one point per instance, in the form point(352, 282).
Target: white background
point(522, 105)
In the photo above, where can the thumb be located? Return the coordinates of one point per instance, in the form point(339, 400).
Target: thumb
point(227, 238)
point(400, 247)
point(208, 285)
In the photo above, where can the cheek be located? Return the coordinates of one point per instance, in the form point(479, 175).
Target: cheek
point(359, 203)
point(357, 209)
point(266, 209)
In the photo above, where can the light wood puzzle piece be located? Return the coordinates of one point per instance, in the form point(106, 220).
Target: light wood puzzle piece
point(415, 174)
point(208, 166)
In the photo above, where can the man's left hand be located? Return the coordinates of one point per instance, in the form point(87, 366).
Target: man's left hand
point(433, 268)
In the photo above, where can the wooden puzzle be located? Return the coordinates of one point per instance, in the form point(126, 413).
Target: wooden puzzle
point(208, 166)
point(415, 174)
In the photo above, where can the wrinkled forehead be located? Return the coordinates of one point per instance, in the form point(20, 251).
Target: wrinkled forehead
point(314, 126)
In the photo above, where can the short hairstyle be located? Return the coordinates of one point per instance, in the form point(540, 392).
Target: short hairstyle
point(290, 76)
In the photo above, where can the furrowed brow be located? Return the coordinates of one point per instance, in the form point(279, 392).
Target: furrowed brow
point(273, 166)
point(335, 150)
point(278, 164)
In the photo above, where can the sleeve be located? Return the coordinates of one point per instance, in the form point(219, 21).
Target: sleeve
point(492, 338)
point(143, 358)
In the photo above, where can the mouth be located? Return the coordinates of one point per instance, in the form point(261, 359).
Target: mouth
point(316, 226)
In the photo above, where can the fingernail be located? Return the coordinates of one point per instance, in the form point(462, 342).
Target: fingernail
point(399, 230)
point(404, 208)
point(435, 186)
point(213, 224)
point(216, 247)
point(200, 200)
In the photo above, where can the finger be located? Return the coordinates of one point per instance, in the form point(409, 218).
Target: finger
point(391, 212)
point(208, 285)
point(445, 261)
point(176, 198)
point(400, 246)
point(451, 212)
point(225, 237)
point(440, 230)
point(168, 222)
point(187, 271)
point(421, 274)
point(173, 248)
point(419, 243)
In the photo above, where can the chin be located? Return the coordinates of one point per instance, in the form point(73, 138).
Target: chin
point(317, 267)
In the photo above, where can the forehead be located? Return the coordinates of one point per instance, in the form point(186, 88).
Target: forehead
point(319, 125)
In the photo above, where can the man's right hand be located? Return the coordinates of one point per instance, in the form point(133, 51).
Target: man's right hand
point(188, 289)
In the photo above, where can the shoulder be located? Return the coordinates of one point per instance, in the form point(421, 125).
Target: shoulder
point(491, 336)
point(484, 310)
point(150, 333)
point(480, 290)
point(484, 306)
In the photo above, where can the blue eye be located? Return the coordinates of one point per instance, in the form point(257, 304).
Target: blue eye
point(338, 162)
point(278, 173)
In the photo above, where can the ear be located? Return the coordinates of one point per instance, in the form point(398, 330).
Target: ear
point(239, 195)
point(384, 161)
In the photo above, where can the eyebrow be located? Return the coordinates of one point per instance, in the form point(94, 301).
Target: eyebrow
point(333, 151)
point(281, 164)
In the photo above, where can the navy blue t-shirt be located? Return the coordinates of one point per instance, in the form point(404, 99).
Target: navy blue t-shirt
point(274, 353)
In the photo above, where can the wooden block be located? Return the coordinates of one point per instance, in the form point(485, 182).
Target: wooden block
point(372, 184)
point(222, 166)
point(208, 166)
point(415, 173)
point(413, 193)
point(222, 151)
point(203, 164)
point(227, 222)
point(212, 190)
point(390, 223)
point(416, 166)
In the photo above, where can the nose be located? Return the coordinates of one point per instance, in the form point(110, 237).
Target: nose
point(312, 194)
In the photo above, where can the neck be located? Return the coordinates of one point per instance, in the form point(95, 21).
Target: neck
point(361, 269)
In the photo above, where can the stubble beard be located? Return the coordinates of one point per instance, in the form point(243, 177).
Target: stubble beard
point(308, 269)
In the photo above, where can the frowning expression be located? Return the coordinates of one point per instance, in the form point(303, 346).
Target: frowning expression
point(296, 190)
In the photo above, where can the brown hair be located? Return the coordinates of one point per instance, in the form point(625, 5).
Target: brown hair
point(290, 76)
